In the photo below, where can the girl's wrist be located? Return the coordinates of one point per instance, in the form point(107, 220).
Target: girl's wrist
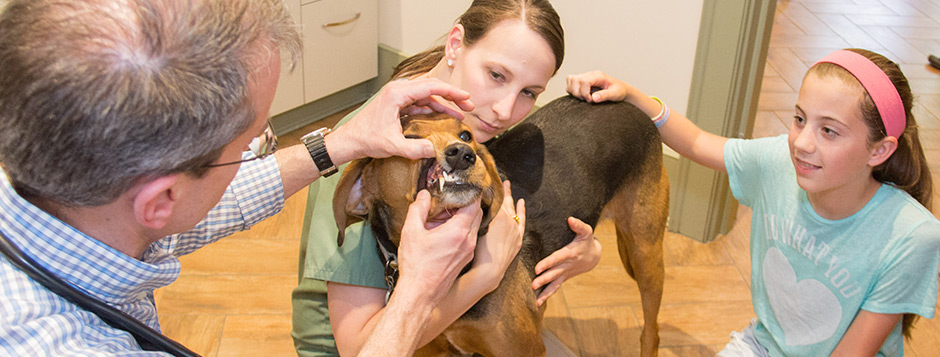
point(632, 94)
point(660, 118)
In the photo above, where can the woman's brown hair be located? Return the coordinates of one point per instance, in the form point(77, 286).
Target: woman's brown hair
point(480, 17)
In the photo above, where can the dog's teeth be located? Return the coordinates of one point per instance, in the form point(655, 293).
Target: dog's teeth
point(441, 181)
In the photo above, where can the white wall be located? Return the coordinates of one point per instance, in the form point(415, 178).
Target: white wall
point(629, 39)
point(411, 26)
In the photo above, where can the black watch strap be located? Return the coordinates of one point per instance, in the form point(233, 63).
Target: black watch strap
point(316, 146)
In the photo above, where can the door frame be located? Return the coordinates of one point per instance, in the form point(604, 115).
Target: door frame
point(729, 64)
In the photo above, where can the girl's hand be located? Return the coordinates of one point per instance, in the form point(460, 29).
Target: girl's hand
point(609, 88)
point(496, 250)
point(579, 256)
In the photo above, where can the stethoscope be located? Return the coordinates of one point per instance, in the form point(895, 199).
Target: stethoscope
point(148, 338)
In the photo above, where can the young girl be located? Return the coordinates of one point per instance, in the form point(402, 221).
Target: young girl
point(841, 242)
point(503, 53)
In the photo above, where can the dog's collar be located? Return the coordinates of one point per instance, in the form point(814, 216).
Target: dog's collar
point(388, 252)
point(389, 256)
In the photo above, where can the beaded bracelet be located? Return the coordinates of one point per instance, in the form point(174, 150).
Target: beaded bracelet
point(660, 119)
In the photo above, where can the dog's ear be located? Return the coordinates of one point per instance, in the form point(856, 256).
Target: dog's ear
point(348, 204)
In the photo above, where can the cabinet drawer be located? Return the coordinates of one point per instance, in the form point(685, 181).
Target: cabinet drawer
point(340, 45)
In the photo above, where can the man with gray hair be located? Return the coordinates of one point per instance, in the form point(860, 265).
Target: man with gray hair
point(123, 125)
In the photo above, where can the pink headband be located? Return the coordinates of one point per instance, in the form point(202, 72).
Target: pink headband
point(877, 84)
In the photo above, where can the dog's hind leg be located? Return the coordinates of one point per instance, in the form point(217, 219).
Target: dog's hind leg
point(639, 211)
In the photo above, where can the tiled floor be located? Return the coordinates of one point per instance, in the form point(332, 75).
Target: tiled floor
point(233, 297)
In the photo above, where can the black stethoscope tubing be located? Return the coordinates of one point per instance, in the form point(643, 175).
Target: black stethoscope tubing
point(148, 338)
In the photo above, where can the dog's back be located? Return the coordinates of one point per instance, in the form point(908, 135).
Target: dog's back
point(569, 158)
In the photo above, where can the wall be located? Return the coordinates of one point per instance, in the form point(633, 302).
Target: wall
point(629, 39)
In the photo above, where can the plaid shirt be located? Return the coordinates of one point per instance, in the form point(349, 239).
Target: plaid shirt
point(36, 322)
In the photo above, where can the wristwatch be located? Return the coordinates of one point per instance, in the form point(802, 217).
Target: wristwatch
point(317, 149)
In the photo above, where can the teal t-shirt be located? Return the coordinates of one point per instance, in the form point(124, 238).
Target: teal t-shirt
point(810, 275)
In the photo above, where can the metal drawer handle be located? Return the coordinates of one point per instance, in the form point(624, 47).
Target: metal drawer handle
point(341, 23)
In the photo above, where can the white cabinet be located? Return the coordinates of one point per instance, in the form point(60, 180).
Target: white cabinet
point(340, 50)
point(340, 45)
point(290, 88)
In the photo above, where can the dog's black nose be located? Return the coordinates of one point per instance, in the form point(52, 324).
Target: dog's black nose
point(460, 156)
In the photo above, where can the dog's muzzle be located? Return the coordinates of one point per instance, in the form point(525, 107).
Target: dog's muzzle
point(452, 173)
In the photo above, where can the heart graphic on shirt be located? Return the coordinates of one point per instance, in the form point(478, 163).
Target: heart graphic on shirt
point(808, 312)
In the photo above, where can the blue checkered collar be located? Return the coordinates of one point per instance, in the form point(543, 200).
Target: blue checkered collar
point(86, 263)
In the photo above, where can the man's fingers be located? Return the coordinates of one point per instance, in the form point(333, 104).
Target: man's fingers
point(418, 210)
point(418, 90)
point(469, 213)
point(446, 109)
point(440, 105)
point(416, 148)
point(475, 227)
point(468, 216)
point(415, 110)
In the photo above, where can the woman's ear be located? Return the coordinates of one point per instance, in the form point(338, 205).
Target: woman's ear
point(882, 150)
point(454, 44)
point(155, 200)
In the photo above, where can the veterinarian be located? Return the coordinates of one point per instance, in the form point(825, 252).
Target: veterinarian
point(843, 249)
point(122, 130)
point(504, 60)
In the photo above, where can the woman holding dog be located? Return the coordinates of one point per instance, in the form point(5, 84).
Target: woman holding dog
point(843, 249)
point(503, 53)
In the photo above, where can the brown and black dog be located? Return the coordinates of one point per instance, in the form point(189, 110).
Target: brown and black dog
point(569, 158)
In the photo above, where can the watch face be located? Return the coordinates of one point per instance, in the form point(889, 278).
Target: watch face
point(319, 132)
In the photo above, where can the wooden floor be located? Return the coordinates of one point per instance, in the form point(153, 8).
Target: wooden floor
point(233, 297)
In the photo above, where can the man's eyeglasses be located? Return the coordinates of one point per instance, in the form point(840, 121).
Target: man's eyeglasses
point(261, 147)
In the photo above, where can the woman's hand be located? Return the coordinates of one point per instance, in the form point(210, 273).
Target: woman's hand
point(496, 250)
point(608, 88)
point(579, 256)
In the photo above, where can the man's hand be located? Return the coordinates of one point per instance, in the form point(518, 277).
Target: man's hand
point(430, 259)
point(376, 130)
point(428, 263)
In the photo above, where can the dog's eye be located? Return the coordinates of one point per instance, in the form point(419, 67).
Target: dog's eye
point(466, 136)
point(412, 136)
